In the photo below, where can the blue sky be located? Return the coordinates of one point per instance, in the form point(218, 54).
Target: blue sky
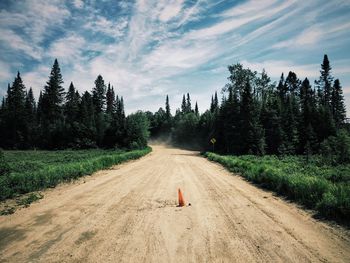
point(147, 49)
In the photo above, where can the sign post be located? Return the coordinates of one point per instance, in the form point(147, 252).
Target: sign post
point(213, 141)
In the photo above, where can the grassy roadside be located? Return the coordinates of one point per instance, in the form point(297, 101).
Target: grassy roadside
point(36, 170)
point(323, 188)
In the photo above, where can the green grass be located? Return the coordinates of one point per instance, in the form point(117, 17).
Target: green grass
point(36, 170)
point(318, 186)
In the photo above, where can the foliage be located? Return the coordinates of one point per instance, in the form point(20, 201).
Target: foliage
point(27, 200)
point(137, 126)
point(336, 149)
point(256, 116)
point(36, 170)
point(62, 119)
point(4, 167)
point(322, 187)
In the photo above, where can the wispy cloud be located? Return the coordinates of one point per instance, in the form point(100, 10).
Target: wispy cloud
point(147, 48)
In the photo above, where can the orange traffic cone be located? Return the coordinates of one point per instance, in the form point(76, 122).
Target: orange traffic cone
point(181, 199)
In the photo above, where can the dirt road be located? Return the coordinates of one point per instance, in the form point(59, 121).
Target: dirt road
point(128, 214)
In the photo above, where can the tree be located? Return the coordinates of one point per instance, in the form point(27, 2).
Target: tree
point(183, 105)
point(72, 104)
point(99, 101)
point(326, 125)
point(307, 136)
point(30, 118)
point(137, 133)
point(15, 115)
point(99, 94)
point(337, 102)
point(252, 135)
point(324, 84)
point(188, 104)
point(196, 111)
point(167, 109)
point(110, 100)
point(53, 95)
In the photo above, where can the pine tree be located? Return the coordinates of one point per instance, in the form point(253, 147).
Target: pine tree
point(53, 95)
point(167, 108)
point(72, 105)
point(30, 118)
point(16, 113)
point(39, 111)
point(229, 123)
point(196, 111)
point(183, 105)
point(324, 84)
point(212, 107)
point(338, 106)
point(216, 101)
point(87, 132)
point(272, 123)
point(325, 122)
point(99, 94)
point(188, 104)
point(307, 136)
point(110, 100)
point(252, 135)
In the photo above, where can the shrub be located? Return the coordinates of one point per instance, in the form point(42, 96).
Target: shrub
point(4, 167)
point(325, 188)
point(336, 149)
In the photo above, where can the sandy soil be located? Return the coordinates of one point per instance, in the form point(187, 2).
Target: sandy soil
point(129, 214)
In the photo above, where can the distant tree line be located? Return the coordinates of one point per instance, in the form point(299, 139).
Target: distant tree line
point(68, 119)
point(256, 116)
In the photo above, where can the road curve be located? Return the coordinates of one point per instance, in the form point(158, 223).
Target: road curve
point(129, 214)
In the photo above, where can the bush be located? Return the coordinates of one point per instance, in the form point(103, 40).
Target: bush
point(64, 169)
point(324, 188)
point(4, 167)
point(336, 149)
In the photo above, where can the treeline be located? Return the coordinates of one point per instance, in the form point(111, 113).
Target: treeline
point(68, 119)
point(256, 116)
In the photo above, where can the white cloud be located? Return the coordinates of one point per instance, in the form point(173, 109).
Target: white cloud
point(110, 28)
point(78, 3)
point(5, 72)
point(16, 42)
point(171, 10)
point(274, 68)
point(67, 49)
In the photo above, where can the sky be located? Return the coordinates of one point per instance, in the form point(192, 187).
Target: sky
point(147, 49)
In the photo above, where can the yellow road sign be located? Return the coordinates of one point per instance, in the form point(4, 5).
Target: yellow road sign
point(213, 140)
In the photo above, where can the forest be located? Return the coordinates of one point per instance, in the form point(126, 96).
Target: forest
point(253, 116)
point(61, 120)
point(257, 116)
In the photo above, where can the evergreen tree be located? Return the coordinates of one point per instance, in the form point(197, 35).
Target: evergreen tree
point(338, 106)
point(72, 104)
point(324, 84)
point(229, 122)
point(110, 100)
point(196, 111)
point(53, 95)
point(307, 136)
point(167, 108)
point(99, 94)
point(272, 123)
point(15, 117)
point(188, 104)
point(212, 107)
point(87, 132)
point(183, 105)
point(326, 125)
point(252, 135)
point(30, 118)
